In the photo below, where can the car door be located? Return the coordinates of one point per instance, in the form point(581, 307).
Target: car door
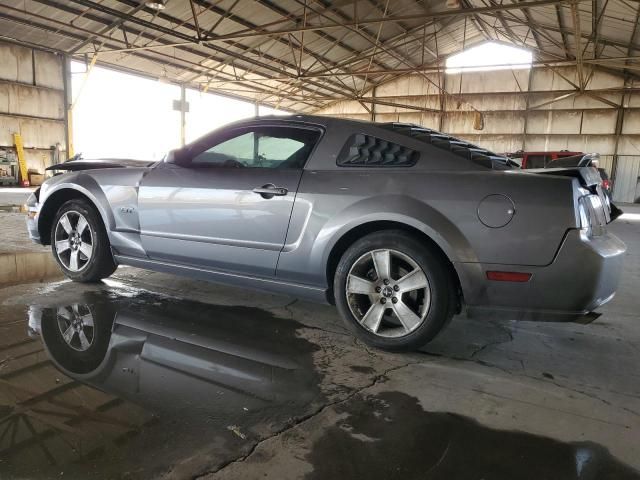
point(226, 203)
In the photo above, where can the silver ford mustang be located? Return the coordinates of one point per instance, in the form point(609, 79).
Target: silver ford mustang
point(398, 225)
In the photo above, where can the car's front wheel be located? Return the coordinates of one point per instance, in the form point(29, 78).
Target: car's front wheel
point(80, 244)
point(394, 291)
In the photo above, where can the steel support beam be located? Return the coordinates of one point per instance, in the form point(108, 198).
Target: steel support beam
point(577, 39)
point(359, 23)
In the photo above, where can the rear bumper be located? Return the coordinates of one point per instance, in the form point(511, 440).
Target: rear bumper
point(583, 276)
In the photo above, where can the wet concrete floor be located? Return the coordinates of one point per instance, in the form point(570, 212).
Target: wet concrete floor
point(154, 376)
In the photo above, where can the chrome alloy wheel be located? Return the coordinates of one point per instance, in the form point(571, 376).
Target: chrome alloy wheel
point(388, 293)
point(76, 326)
point(74, 241)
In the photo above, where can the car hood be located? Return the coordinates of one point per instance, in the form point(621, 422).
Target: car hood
point(76, 165)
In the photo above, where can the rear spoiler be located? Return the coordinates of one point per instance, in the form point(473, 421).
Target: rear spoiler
point(589, 177)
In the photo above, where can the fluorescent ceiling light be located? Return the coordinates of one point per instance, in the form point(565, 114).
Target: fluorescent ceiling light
point(489, 56)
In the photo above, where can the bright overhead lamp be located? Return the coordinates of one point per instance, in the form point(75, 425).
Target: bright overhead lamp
point(156, 4)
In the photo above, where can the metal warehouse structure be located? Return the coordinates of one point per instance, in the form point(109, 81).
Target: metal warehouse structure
point(374, 59)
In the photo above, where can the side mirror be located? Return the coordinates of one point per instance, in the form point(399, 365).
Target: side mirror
point(176, 156)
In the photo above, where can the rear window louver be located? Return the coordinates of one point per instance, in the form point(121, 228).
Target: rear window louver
point(362, 150)
point(457, 146)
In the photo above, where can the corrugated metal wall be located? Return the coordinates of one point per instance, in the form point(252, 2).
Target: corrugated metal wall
point(522, 110)
point(32, 102)
point(627, 183)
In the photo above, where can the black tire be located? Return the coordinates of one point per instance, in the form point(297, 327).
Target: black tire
point(73, 360)
point(101, 264)
point(443, 291)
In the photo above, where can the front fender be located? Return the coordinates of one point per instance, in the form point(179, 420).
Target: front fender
point(78, 182)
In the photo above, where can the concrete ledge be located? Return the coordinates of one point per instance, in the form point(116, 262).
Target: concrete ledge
point(26, 267)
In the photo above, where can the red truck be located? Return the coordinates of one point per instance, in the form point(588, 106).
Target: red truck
point(561, 158)
point(541, 159)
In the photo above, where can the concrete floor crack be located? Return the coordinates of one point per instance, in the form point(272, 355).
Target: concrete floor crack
point(301, 420)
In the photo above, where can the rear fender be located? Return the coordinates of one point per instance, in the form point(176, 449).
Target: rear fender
point(406, 210)
point(400, 209)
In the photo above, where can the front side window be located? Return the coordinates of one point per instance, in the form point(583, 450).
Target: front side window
point(261, 147)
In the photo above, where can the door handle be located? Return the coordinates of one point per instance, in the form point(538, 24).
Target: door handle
point(270, 190)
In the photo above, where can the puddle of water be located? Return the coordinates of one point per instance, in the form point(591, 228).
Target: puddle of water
point(143, 382)
point(389, 436)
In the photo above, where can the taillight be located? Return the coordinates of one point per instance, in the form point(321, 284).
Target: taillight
point(606, 184)
point(500, 276)
point(592, 215)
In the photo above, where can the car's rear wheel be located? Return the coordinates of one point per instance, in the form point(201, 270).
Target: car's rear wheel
point(394, 291)
point(80, 244)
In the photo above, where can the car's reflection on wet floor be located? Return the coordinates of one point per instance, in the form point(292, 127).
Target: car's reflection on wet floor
point(146, 386)
point(176, 372)
point(167, 352)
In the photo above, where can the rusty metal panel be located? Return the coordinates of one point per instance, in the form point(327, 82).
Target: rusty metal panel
point(430, 120)
point(34, 111)
point(599, 122)
point(604, 144)
point(36, 133)
point(544, 79)
point(344, 108)
point(629, 144)
point(486, 103)
point(496, 143)
point(601, 79)
point(16, 63)
point(501, 123)
point(426, 101)
point(392, 117)
point(48, 72)
point(21, 99)
point(631, 123)
point(8, 126)
point(633, 100)
point(410, 85)
point(541, 122)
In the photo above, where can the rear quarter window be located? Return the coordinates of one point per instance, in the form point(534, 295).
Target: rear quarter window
point(362, 150)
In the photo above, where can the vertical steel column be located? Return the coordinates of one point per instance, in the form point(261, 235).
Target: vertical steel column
point(373, 104)
point(183, 114)
point(68, 100)
point(525, 124)
point(441, 97)
point(618, 133)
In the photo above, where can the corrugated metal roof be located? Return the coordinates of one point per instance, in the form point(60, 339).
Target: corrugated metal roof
point(304, 54)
